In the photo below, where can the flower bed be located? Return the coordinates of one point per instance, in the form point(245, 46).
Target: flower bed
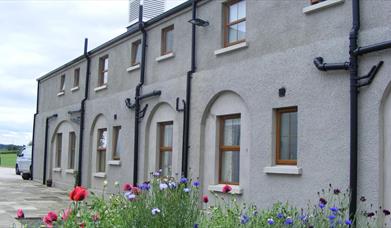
point(165, 202)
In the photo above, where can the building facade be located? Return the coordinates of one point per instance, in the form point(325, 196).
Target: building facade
point(262, 119)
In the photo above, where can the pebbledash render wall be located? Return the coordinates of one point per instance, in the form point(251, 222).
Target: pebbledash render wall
point(281, 42)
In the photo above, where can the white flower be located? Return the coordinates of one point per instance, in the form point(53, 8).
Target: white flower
point(129, 196)
point(155, 211)
point(186, 189)
point(116, 184)
point(163, 186)
point(105, 183)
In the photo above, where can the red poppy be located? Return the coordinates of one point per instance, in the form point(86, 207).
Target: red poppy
point(50, 218)
point(227, 188)
point(136, 190)
point(127, 187)
point(78, 194)
point(205, 199)
point(20, 214)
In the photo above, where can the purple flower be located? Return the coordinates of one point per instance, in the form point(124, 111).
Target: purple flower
point(156, 174)
point(172, 185)
point(130, 196)
point(196, 184)
point(288, 221)
point(195, 225)
point(303, 218)
point(244, 219)
point(370, 214)
point(145, 186)
point(183, 180)
point(321, 205)
point(331, 217)
point(323, 201)
point(348, 222)
point(163, 186)
point(186, 189)
point(270, 221)
point(337, 191)
point(334, 209)
point(280, 215)
point(386, 212)
point(155, 211)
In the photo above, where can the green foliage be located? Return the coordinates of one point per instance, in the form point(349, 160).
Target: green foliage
point(8, 159)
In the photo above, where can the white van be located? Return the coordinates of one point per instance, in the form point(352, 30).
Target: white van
point(23, 163)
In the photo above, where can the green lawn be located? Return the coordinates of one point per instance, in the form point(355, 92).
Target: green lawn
point(7, 160)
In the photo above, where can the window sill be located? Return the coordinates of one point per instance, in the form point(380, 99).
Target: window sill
point(75, 89)
point(236, 189)
point(231, 48)
point(58, 170)
point(166, 56)
point(60, 93)
point(321, 5)
point(100, 88)
point(132, 68)
point(114, 162)
point(100, 175)
point(70, 171)
point(283, 169)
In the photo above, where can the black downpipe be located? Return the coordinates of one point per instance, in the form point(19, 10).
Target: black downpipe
point(46, 146)
point(353, 37)
point(82, 114)
point(137, 97)
point(186, 115)
point(33, 140)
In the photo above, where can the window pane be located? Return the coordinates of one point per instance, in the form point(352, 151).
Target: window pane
point(288, 136)
point(101, 161)
point(102, 140)
point(241, 30)
point(106, 64)
point(241, 9)
point(58, 150)
point(117, 142)
point(167, 141)
point(105, 76)
point(166, 163)
point(230, 161)
point(232, 132)
point(233, 12)
point(233, 33)
point(169, 41)
point(62, 83)
point(138, 53)
point(72, 148)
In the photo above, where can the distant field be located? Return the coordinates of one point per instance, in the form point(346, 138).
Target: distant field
point(7, 158)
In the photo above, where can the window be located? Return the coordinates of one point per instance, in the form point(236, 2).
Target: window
point(103, 70)
point(136, 53)
point(167, 40)
point(62, 83)
point(101, 150)
point(165, 148)
point(234, 22)
point(58, 150)
point(286, 136)
point(116, 141)
point(72, 148)
point(229, 149)
point(76, 77)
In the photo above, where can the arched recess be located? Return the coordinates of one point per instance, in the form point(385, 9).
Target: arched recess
point(96, 176)
point(223, 104)
point(162, 113)
point(59, 156)
point(385, 140)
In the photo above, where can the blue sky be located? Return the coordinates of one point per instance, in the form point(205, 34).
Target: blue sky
point(37, 37)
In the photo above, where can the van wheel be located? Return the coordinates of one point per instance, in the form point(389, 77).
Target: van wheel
point(26, 176)
point(17, 172)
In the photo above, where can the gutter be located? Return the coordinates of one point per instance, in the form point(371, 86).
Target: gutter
point(82, 114)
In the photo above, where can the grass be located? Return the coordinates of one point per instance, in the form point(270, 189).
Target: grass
point(7, 159)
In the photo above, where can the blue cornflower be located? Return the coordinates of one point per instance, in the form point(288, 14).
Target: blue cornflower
point(332, 217)
point(288, 221)
point(280, 215)
point(255, 213)
point(130, 196)
point(348, 222)
point(270, 221)
point(155, 211)
point(321, 205)
point(195, 225)
point(196, 184)
point(334, 209)
point(145, 186)
point(156, 174)
point(303, 218)
point(183, 180)
point(244, 219)
point(163, 186)
point(186, 189)
point(172, 185)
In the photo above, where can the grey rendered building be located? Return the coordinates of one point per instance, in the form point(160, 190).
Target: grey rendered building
point(262, 117)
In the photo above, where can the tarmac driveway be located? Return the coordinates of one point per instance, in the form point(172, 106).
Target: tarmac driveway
point(34, 198)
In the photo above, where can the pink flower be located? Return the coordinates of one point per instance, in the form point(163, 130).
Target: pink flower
point(127, 187)
point(227, 188)
point(95, 217)
point(50, 218)
point(20, 214)
point(66, 214)
point(78, 194)
point(205, 199)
